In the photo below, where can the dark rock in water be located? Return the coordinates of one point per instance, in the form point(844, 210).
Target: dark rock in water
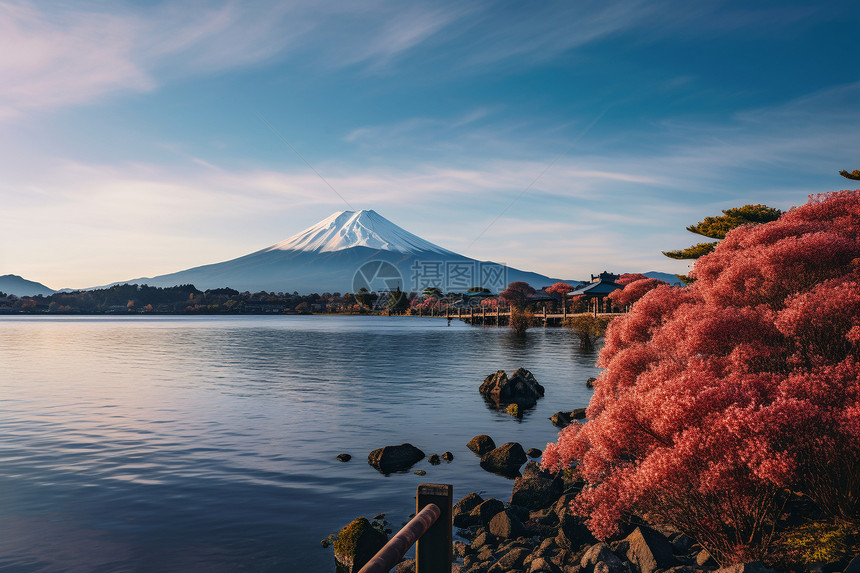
point(560, 419)
point(534, 453)
point(481, 444)
point(434, 459)
point(420, 473)
point(649, 550)
point(395, 458)
point(356, 544)
point(536, 492)
point(564, 419)
point(506, 525)
point(448, 456)
point(344, 457)
point(521, 388)
point(590, 382)
point(505, 460)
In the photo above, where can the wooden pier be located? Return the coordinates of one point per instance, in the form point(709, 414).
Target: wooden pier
point(483, 317)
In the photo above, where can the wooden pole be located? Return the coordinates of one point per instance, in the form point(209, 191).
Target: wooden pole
point(393, 551)
point(434, 551)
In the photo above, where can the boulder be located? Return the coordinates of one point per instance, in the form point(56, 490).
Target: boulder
point(513, 559)
point(703, 558)
point(486, 510)
point(521, 388)
point(506, 525)
point(448, 456)
point(560, 419)
point(481, 444)
point(434, 459)
point(395, 458)
point(577, 414)
point(482, 540)
point(463, 508)
point(543, 565)
point(572, 533)
point(536, 492)
point(356, 544)
point(590, 382)
point(505, 460)
point(534, 453)
point(649, 550)
point(600, 553)
point(344, 457)
point(750, 567)
point(533, 469)
point(467, 504)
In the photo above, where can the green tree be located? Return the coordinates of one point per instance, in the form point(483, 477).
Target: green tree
point(718, 227)
point(365, 298)
point(432, 292)
point(397, 301)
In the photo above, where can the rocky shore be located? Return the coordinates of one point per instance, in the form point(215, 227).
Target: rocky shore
point(534, 531)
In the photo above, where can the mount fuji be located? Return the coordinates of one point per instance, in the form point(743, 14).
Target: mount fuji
point(347, 251)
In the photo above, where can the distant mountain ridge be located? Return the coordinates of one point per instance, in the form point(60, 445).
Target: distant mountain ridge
point(19, 286)
point(344, 252)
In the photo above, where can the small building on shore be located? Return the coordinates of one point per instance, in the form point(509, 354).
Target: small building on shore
point(598, 289)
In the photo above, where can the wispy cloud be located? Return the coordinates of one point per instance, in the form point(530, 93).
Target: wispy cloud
point(56, 54)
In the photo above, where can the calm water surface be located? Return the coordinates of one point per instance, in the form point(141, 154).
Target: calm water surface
point(209, 444)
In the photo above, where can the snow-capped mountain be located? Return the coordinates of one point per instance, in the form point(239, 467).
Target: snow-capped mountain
point(347, 251)
point(365, 228)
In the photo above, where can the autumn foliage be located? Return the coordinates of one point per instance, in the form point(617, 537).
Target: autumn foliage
point(721, 400)
point(634, 291)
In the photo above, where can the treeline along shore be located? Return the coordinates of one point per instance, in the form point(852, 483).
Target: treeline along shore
point(181, 299)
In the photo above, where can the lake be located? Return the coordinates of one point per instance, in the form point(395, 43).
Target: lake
point(209, 443)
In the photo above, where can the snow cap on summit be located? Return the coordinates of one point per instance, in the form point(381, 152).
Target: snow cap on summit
point(365, 228)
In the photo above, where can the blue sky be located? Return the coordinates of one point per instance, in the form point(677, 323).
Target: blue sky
point(559, 137)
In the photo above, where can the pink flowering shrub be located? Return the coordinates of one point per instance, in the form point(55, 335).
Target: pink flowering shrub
point(627, 278)
point(720, 398)
point(633, 291)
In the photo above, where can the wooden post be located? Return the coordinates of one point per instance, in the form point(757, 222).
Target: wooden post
point(434, 551)
point(544, 315)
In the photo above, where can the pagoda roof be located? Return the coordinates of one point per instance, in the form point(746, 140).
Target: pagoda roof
point(597, 288)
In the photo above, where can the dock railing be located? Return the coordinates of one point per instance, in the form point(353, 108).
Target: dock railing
point(429, 531)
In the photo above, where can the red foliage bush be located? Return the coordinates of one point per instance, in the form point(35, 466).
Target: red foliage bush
point(627, 278)
point(633, 291)
point(719, 398)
